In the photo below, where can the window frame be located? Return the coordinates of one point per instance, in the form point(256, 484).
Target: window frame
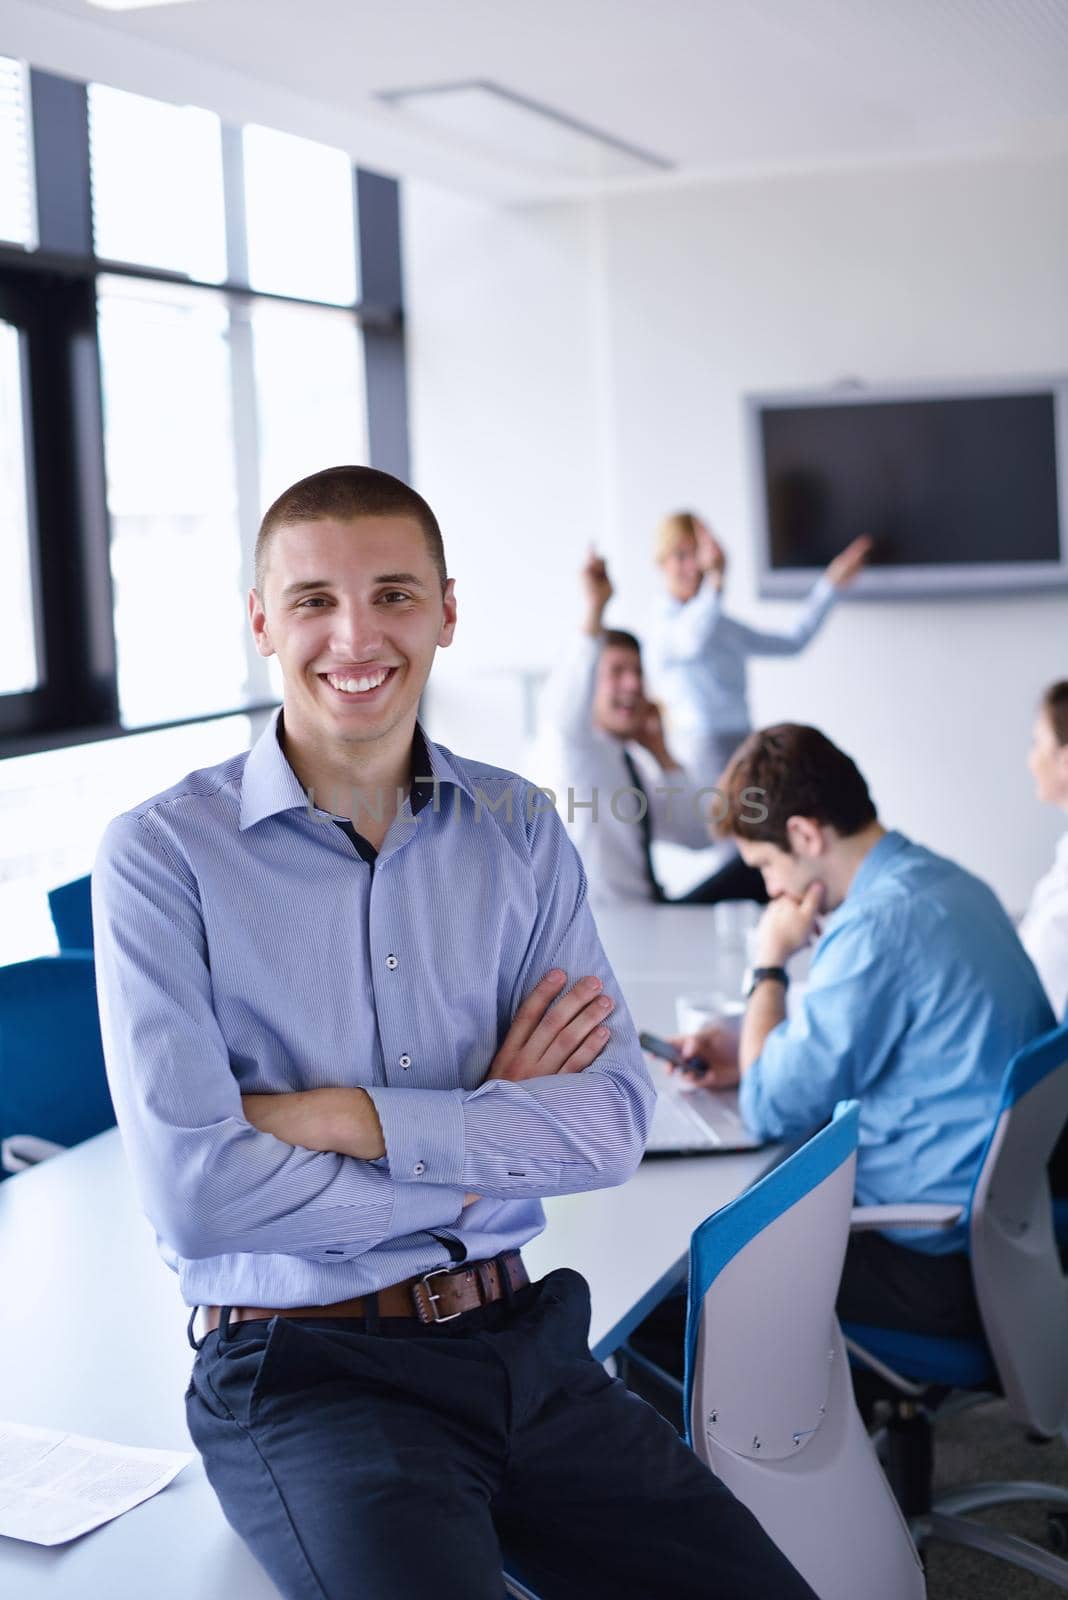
point(53, 292)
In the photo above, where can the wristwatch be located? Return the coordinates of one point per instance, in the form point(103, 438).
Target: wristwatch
point(760, 973)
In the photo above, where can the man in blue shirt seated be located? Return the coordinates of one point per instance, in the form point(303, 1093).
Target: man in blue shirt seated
point(354, 1010)
point(919, 994)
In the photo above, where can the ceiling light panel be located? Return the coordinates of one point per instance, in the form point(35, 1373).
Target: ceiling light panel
point(520, 131)
point(135, 5)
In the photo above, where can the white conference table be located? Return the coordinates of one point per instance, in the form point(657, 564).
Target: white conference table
point(92, 1330)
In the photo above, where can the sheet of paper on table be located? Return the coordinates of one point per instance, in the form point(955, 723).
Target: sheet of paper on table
point(55, 1486)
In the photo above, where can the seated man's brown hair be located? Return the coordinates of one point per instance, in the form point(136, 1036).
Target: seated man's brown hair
point(791, 770)
point(1055, 705)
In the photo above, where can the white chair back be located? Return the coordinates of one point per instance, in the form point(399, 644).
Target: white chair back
point(1018, 1278)
point(771, 1403)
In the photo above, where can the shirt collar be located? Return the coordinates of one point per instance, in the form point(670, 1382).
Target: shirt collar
point(270, 785)
point(876, 861)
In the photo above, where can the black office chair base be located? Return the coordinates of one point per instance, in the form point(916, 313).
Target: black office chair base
point(936, 1525)
point(906, 1455)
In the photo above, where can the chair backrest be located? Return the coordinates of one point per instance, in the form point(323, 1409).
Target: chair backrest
point(52, 1079)
point(1019, 1282)
point(769, 1394)
point(72, 915)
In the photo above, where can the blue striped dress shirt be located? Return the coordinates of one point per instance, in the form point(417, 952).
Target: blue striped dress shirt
point(244, 945)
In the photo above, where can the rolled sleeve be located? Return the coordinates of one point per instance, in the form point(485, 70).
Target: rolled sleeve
point(565, 706)
point(680, 811)
point(847, 1022)
point(789, 641)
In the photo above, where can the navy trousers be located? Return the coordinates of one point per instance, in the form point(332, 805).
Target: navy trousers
point(414, 1461)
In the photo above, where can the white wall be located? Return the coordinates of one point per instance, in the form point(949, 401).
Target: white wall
point(927, 272)
point(594, 360)
point(501, 332)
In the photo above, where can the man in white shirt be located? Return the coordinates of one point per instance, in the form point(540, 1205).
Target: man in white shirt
point(1044, 929)
point(603, 755)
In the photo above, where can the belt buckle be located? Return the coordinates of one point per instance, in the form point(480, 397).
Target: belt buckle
point(424, 1283)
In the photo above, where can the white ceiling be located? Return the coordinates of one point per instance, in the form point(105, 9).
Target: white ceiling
point(718, 88)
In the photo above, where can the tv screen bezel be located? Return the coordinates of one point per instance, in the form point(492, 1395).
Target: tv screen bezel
point(876, 583)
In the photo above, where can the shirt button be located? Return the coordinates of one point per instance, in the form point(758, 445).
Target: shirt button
point(419, 1168)
point(391, 962)
point(405, 1062)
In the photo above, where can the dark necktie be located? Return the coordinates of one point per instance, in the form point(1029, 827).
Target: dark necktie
point(645, 824)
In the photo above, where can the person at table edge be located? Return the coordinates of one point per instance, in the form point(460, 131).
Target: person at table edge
point(919, 994)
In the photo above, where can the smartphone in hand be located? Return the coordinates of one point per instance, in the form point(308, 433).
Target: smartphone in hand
point(669, 1052)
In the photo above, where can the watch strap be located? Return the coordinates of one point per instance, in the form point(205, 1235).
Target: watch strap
point(760, 973)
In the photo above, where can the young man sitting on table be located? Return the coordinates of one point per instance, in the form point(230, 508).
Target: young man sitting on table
point(919, 993)
point(354, 1011)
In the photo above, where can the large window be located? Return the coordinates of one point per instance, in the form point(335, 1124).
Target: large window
point(309, 393)
point(298, 202)
point(157, 184)
point(201, 346)
point(17, 209)
point(176, 564)
point(18, 645)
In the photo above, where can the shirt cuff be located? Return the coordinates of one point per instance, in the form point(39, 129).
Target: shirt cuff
point(422, 1207)
point(423, 1131)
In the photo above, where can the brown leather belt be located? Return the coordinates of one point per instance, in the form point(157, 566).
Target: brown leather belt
point(432, 1296)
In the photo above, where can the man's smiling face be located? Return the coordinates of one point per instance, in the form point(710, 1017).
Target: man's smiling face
point(619, 699)
point(354, 612)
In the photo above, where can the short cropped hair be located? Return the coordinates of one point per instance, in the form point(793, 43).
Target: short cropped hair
point(678, 527)
point(1055, 705)
point(621, 639)
point(343, 494)
point(794, 771)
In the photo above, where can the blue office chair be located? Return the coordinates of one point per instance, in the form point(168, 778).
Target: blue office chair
point(72, 915)
point(1023, 1303)
point(52, 1081)
point(768, 1393)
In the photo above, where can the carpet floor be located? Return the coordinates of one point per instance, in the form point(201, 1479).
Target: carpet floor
point(974, 1446)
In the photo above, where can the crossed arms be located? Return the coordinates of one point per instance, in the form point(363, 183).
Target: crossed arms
point(558, 1109)
point(544, 1039)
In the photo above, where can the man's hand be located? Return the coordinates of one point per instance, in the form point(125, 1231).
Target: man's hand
point(786, 926)
point(597, 588)
point(848, 563)
point(545, 1038)
point(343, 1121)
point(650, 735)
point(711, 556)
point(716, 1048)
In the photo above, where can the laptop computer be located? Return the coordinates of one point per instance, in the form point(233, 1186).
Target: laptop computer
point(688, 1121)
point(691, 1122)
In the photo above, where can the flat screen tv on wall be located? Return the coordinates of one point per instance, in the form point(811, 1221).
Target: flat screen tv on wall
point(963, 489)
